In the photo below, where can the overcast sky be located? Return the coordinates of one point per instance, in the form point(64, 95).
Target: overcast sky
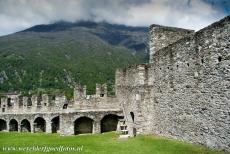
point(16, 15)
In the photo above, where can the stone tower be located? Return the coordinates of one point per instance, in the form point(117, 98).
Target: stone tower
point(162, 36)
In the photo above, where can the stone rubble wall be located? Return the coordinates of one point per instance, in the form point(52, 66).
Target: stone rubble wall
point(184, 92)
point(24, 104)
point(162, 36)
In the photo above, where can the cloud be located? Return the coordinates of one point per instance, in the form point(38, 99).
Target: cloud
point(16, 15)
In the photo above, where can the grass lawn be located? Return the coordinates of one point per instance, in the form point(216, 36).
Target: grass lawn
point(106, 143)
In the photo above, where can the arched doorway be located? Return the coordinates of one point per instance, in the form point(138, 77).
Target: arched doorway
point(39, 125)
point(109, 123)
point(13, 125)
point(55, 124)
point(25, 126)
point(83, 125)
point(132, 116)
point(2, 125)
point(134, 130)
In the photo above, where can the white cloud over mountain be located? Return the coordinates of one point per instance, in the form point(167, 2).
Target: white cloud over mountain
point(16, 15)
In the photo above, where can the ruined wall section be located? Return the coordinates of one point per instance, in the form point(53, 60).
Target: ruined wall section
point(185, 94)
point(98, 101)
point(132, 89)
point(31, 104)
point(162, 36)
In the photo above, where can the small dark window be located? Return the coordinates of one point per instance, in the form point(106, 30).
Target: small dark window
point(177, 66)
point(168, 67)
point(39, 100)
point(65, 106)
point(9, 102)
point(29, 102)
point(3, 109)
point(45, 104)
point(102, 95)
point(188, 64)
point(202, 61)
point(20, 101)
point(219, 59)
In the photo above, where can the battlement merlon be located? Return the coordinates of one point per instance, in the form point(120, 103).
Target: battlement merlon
point(101, 90)
point(162, 36)
point(80, 92)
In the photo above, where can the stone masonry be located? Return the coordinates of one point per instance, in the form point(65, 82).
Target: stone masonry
point(183, 93)
point(51, 114)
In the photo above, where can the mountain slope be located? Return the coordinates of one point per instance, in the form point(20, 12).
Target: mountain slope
point(59, 55)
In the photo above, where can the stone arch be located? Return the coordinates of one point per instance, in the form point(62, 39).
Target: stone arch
point(25, 126)
point(132, 116)
point(83, 125)
point(39, 124)
point(55, 124)
point(109, 123)
point(13, 125)
point(3, 125)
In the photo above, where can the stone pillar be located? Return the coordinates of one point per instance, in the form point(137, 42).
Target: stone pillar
point(7, 126)
point(66, 125)
point(98, 90)
point(48, 126)
point(19, 127)
point(79, 92)
point(96, 127)
point(32, 126)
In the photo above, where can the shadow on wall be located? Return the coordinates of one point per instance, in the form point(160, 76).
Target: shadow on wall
point(83, 125)
point(13, 125)
point(39, 125)
point(25, 126)
point(55, 124)
point(109, 123)
point(2, 125)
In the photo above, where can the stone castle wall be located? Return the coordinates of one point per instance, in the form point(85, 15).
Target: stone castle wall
point(184, 92)
point(162, 36)
point(52, 114)
point(33, 104)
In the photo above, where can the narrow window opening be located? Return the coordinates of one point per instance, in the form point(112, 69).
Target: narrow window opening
point(202, 61)
point(65, 106)
point(219, 59)
point(9, 102)
point(177, 66)
point(188, 64)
